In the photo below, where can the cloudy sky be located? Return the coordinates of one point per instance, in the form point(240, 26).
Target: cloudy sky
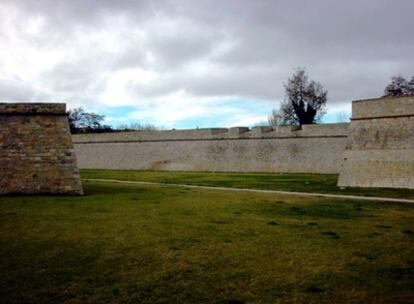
point(185, 64)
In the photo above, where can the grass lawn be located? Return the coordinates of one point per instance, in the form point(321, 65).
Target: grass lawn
point(155, 244)
point(299, 182)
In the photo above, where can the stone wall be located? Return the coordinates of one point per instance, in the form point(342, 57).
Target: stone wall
point(380, 148)
point(314, 149)
point(36, 150)
point(375, 150)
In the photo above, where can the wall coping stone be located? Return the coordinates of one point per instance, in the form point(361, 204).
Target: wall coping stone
point(307, 131)
point(32, 108)
point(384, 107)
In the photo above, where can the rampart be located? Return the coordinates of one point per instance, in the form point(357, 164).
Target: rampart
point(313, 149)
point(380, 147)
point(36, 150)
point(375, 150)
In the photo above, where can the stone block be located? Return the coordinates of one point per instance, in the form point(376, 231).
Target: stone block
point(380, 145)
point(36, 150)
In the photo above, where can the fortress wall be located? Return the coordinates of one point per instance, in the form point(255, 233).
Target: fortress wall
point(315, 148)
point(375, 150)
point(380, 148)
point(36, 150)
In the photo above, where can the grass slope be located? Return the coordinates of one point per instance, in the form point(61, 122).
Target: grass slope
point(152, 244)
point(299, 182)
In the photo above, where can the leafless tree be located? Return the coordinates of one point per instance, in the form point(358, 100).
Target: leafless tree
point(275, 118)
point(399, 86)
point(136, 126)
point(86, 122)
point(305, 100)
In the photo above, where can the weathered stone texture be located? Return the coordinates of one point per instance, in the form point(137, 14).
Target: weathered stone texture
point(36, 150)
point(379, 145)
point(316, 149)
point(380, 148)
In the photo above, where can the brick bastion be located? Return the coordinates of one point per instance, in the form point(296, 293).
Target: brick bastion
point(36, 150)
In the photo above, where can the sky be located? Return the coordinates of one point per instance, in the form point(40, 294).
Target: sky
point(187, 64)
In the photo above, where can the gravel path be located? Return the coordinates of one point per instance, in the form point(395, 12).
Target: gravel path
point(311, 194)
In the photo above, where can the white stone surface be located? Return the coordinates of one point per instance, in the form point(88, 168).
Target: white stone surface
point(380, 147)
point(316, 149)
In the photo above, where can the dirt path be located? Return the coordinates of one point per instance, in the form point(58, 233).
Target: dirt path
point(351, 197)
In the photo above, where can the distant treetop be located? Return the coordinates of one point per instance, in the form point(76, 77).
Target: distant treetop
point(305, 100)
point(399, 86)
point(86, 122)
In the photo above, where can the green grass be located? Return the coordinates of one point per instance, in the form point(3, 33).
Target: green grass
point(154, 244)
point(299, 182)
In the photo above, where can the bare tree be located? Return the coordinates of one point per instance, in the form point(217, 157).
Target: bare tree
point(342, 117)
point(411, 86)
point(136, 126)
point(305, 100)
point(399, 86)
point(275, 118)
point(86, 122)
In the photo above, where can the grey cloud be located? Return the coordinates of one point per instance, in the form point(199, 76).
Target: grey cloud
point(78, 72)
point(69, 14)
point(14, 89)
point(172, 51)
point(132, 55)
point(168, 49)
point(352, 48)
point(251, 83)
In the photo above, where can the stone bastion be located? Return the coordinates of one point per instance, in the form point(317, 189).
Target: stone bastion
point(375, 150)
point(380, 145)
point(36, 150)
point(313, 149)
